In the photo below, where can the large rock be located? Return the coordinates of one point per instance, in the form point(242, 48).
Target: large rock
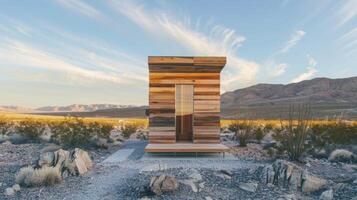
point(163, 183)
point(341, 155)
point(76, 162)
point(288, 175)
point(312, 183)
point(82, 161)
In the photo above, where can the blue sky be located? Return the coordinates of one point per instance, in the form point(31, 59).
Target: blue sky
point(74, 51)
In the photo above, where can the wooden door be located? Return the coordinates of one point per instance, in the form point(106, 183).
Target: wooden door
point(184, 112)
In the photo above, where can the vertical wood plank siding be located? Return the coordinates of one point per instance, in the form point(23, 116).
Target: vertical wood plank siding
point(204, 74)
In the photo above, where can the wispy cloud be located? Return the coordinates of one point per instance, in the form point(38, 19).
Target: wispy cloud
point(79, 59)
point(311, 71)
point(14, 53)
point(219, 40)
point(349, 41)
point(294, 39)
point(81, 7)
point(346, 12)
point(279, 70)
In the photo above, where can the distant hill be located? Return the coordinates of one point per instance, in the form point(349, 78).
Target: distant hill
point(327, 97)
point(17, 109)
point(81, 107)
point(129, 112)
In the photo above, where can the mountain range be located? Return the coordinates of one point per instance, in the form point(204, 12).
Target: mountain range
point(326, 97)
point(69, 108)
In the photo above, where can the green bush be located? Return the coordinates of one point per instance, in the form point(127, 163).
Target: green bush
point(338, 132)
point(75, 132)
point(259, 133)
point(30, 129)
point(71, 132)
point(129, 128)
point(101, 130)
point(243, 130)
point(5, 126)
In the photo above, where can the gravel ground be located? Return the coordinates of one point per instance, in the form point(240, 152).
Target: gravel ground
point(129, 179)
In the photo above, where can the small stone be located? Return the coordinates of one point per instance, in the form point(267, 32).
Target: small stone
point(326, 195)
point(223, 176)
point(249, 187)
point(16, 187)
point(290, 197)
point(227, 172)
point(7, 143)
point(144, 198)
point(196, 176)
point(355, 182)
point(308, 165)
point(201, 185)
point(9, 191)
point(191, 184)
point(208, 198)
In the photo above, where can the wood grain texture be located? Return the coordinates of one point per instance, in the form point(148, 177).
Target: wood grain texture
point(201, 72)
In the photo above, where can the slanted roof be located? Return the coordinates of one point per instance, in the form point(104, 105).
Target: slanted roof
point(186, 64)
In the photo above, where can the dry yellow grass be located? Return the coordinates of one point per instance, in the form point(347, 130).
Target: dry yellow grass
point(142, 121)
point(45, 118)
point(226, 122)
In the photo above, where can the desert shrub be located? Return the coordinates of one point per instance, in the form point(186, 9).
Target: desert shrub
point(337, 132)
point(22, 176)
point(44, 176)
point(341, 155)
point(268, 127)
point(243, 130)
point(142, 136)
point(101, 130)
point(129, 128)
point(5, 126)
point(30, 129)
point(294, 133)
point(259, 133)
point(71, 132)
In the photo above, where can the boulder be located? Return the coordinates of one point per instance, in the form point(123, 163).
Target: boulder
point(341, 155)
point(249, 187)
point(163, 183)
point(76, 162)
point(82, 161)
point(9, 191)
point(326, 195)
point(312, 183)
point(288, 175)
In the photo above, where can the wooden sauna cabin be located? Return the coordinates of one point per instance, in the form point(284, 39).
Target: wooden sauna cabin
point(184, 104)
